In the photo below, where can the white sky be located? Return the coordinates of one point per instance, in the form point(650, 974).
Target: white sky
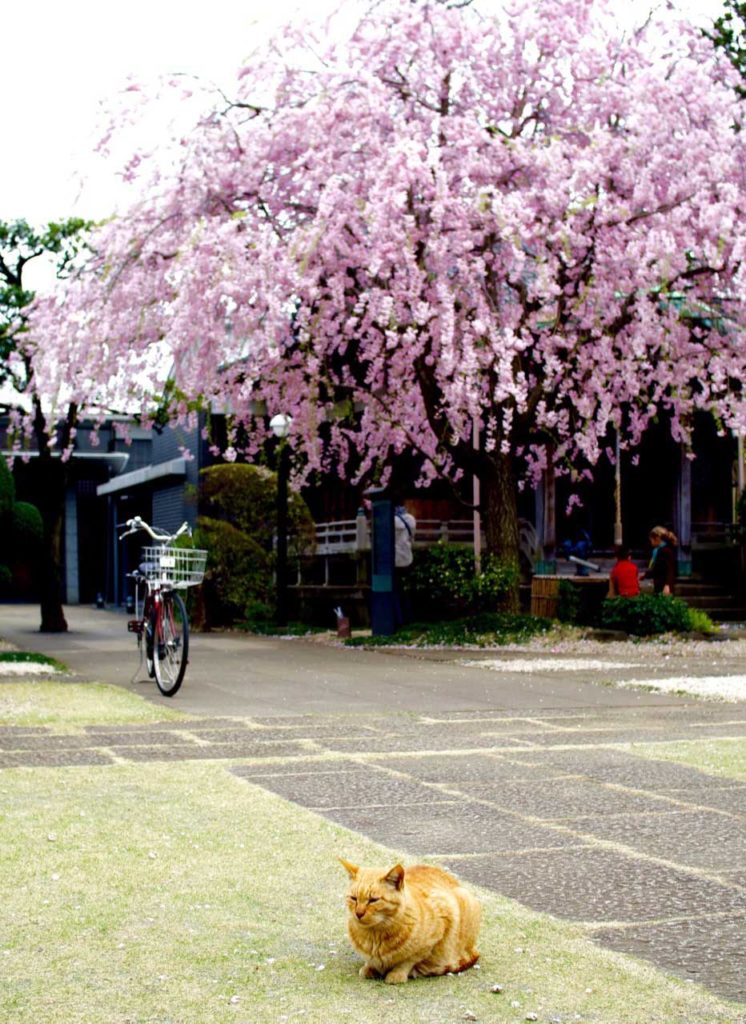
point(61, 59)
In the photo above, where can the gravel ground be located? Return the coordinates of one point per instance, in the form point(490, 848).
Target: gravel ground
point(26, 668)
point(571, 651)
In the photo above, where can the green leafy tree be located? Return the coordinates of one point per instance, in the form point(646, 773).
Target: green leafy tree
point(246, 497)
point(21, 530)
point(20, 244)
point(729, 33)
point(237, 523)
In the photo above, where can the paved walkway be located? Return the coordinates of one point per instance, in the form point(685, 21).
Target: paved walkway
point(526, 786)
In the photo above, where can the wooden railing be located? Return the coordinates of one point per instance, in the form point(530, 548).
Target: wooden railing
point(351, 538)
point(347, 536)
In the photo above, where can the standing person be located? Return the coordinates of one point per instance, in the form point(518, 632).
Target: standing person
point(404, 528)
point(662, 568)
point(624, 580)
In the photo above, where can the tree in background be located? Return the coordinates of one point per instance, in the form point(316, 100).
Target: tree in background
point(237, 523)
point(496, 241)
point(21, 534)
point(729, 34)
point(20, 244)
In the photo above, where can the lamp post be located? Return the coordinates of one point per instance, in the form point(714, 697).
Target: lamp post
point(618, 531)
point(280, 426)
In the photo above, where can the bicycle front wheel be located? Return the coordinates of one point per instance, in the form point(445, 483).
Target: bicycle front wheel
point(170, 644)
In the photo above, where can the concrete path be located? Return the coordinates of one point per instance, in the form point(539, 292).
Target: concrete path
point(522, 783)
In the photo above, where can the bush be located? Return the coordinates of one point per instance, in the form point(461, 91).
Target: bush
point(246, 497)
point(7, 491)
point(488, 629)
point(647, 615)
point(238, 578)
point(568, 603)
point(700, 622)
point(28, 529)
point(442, 582)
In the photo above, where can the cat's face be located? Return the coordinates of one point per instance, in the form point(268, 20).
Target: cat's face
point(374, 895)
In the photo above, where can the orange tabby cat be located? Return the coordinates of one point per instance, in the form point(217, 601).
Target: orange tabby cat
point(411, 923)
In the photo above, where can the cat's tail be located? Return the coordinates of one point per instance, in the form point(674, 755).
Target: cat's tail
point(424, 970)
point(465, 963)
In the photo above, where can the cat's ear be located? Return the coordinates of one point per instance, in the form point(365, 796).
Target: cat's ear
point(395, 876)
point(351, 869)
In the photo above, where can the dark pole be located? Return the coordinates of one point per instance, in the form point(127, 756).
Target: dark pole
point(283, 465)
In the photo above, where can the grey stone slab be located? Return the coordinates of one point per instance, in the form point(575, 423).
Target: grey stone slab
point(737, 878)
point(53, 758)
point(468, 770)
point(726, 798)
point(566, 799)
point(354, 722)
point(187, 724)
point(701, 839)
point(320, 731)
point(24, 730)
point(211, 751)
point(44, 742)
point(349, 789)
point(145, 739)
point(447, 828)
point(298, 768)
point(609, 765)
point(396, 742)
point(593, 885)
point(232, 735)
point(596, 737)
point(709, 951)
point(725, 728)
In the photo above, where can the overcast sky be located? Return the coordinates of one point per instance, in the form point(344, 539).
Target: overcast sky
point(61, 59)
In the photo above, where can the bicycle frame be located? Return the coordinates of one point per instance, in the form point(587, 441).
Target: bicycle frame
point(160, 616)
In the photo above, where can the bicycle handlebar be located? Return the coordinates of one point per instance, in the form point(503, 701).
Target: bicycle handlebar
point(137, 523)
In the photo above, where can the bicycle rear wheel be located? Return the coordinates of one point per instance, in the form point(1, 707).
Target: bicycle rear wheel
point(170, 644)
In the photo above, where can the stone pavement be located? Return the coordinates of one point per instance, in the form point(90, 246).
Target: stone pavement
point(532, 792)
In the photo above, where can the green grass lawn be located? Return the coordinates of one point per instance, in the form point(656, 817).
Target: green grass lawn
point(715, 757)
point(179, 894)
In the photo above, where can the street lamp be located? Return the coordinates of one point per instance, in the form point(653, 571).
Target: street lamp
point(280, 426)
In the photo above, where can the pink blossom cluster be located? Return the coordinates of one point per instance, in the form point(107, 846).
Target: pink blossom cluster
point(528, 221)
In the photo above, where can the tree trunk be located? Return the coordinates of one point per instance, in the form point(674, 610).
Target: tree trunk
point(52, 508)
point(500, 515)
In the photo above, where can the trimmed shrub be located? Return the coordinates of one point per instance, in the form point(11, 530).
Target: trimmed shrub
point(646, 615)
point(7, 491)
point(246, 497)
point(238, 579)
point(28, 529)
point(487, 629)
point(568, 604)
point(442, 582)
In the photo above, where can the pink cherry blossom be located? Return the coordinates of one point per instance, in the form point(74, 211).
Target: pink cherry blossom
point(527, 220)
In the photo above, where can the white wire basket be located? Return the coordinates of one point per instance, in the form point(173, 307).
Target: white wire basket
point(178, 567)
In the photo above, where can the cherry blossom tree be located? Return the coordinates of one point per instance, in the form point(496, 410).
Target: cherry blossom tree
point(495, 239)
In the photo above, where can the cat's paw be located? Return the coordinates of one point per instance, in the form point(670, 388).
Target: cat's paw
point(397, 976)
point(367, 971)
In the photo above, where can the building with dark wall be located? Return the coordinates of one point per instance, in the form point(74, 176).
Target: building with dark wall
point(100, 453)
point(162, 490)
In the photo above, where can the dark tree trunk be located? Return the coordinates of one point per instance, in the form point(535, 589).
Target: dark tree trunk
point(52, 508)
point(500, 514)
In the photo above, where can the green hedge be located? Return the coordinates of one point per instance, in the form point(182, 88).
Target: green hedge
point(246, 497)
point(238, 579)
point(442, 582)
point(650, 614)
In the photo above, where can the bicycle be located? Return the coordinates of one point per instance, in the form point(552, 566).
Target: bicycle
point(161, 622)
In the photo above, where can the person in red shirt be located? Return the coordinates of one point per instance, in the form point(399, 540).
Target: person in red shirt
point(624, 580)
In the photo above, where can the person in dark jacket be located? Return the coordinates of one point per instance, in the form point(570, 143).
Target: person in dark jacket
point(662, 568)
